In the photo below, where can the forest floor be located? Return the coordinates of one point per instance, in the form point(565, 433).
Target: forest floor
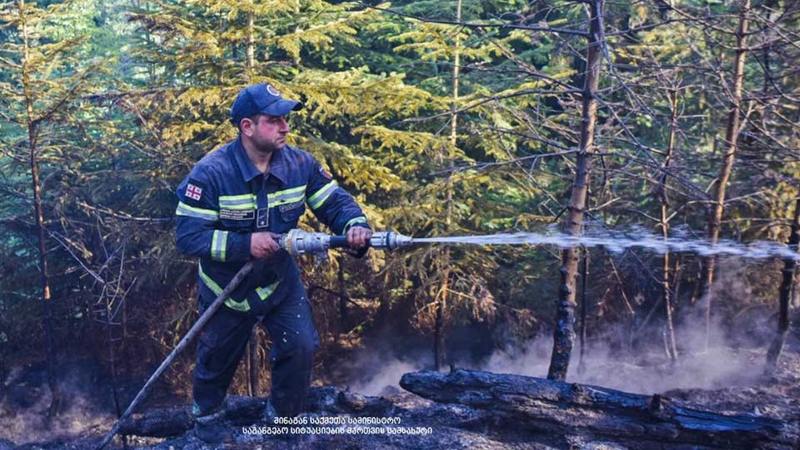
point(420, 423)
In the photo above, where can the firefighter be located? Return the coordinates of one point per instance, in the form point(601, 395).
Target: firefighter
point(231, 206)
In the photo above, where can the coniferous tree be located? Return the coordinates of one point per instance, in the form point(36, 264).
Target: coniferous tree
point(45, 77)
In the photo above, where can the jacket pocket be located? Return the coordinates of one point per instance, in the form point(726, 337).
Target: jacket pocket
point(291, 212)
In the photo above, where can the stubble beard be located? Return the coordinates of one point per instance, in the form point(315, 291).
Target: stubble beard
point(268, 147)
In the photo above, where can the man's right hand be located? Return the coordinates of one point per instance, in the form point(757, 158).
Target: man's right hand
point(263, 244)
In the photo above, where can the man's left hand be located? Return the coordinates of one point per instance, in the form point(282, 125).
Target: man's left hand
point(358, 237)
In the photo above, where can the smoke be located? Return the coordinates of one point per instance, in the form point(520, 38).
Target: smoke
point(387, 376)
point(648, 371)
point(25, 404)
point(732, 353)
point(377, 368)
point(723, 355)
point(644, 373)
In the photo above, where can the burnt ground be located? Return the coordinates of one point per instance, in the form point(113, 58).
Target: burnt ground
point(433, 425)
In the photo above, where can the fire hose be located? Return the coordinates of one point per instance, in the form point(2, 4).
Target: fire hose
point(295, 242)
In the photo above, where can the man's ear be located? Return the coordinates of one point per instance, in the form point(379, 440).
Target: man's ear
point(247, 126)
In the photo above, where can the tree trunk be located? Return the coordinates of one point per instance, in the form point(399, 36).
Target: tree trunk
point(251, 45)
point(438, 333)
point(785, 294)
point(456, 72)
point(112, 359)
point(33, 152)
point(441, 305)
point(564, 334)
point(251, 356)
point(731, 138)
point(342, 298)
point(666, 294)
point(584, 308)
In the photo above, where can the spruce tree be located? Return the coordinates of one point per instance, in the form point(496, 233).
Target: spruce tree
point(45, 73)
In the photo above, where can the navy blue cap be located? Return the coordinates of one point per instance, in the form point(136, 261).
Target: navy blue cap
point(261, 98)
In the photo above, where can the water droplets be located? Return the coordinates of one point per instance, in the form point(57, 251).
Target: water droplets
point(617, 242)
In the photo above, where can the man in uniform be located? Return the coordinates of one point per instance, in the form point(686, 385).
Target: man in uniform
point(232, 206)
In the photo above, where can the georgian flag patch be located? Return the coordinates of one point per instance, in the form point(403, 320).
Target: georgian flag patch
point(194, 192)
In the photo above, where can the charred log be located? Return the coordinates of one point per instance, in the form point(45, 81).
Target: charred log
point(556, 406)
point(176, 421)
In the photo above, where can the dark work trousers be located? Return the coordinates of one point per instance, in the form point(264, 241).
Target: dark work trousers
point(294, 339)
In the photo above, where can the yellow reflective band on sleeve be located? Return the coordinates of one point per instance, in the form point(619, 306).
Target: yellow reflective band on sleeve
point(237, 202)
point(316, 200)
point(235, 197)
point(198, 213)
point(295, 194)
point(242, 306)
point(219, 243)
point(353, 221)
point(265, 292)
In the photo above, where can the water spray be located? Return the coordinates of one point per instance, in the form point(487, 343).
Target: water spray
point(298, 242)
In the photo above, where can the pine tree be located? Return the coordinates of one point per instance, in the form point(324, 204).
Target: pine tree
point(44, 77)
point(459, 162)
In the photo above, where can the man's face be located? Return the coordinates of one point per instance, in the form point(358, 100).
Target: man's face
point(267, 133)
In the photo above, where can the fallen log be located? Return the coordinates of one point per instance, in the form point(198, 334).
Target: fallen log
point(553, 406)
point(177, 420)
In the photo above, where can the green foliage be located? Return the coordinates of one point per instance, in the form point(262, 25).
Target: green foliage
point(46, 68)
point(127, 95)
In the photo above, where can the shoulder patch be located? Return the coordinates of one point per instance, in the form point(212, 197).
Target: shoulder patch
point(194, 190)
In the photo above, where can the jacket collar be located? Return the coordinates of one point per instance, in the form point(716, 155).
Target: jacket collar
point(277, 164)
point(278, 167)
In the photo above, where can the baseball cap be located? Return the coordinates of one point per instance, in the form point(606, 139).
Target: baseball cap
point(261, 98)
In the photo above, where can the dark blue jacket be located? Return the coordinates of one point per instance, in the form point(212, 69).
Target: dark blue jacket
point(225, 199)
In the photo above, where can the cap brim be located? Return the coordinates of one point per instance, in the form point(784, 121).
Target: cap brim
point(282, 107)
